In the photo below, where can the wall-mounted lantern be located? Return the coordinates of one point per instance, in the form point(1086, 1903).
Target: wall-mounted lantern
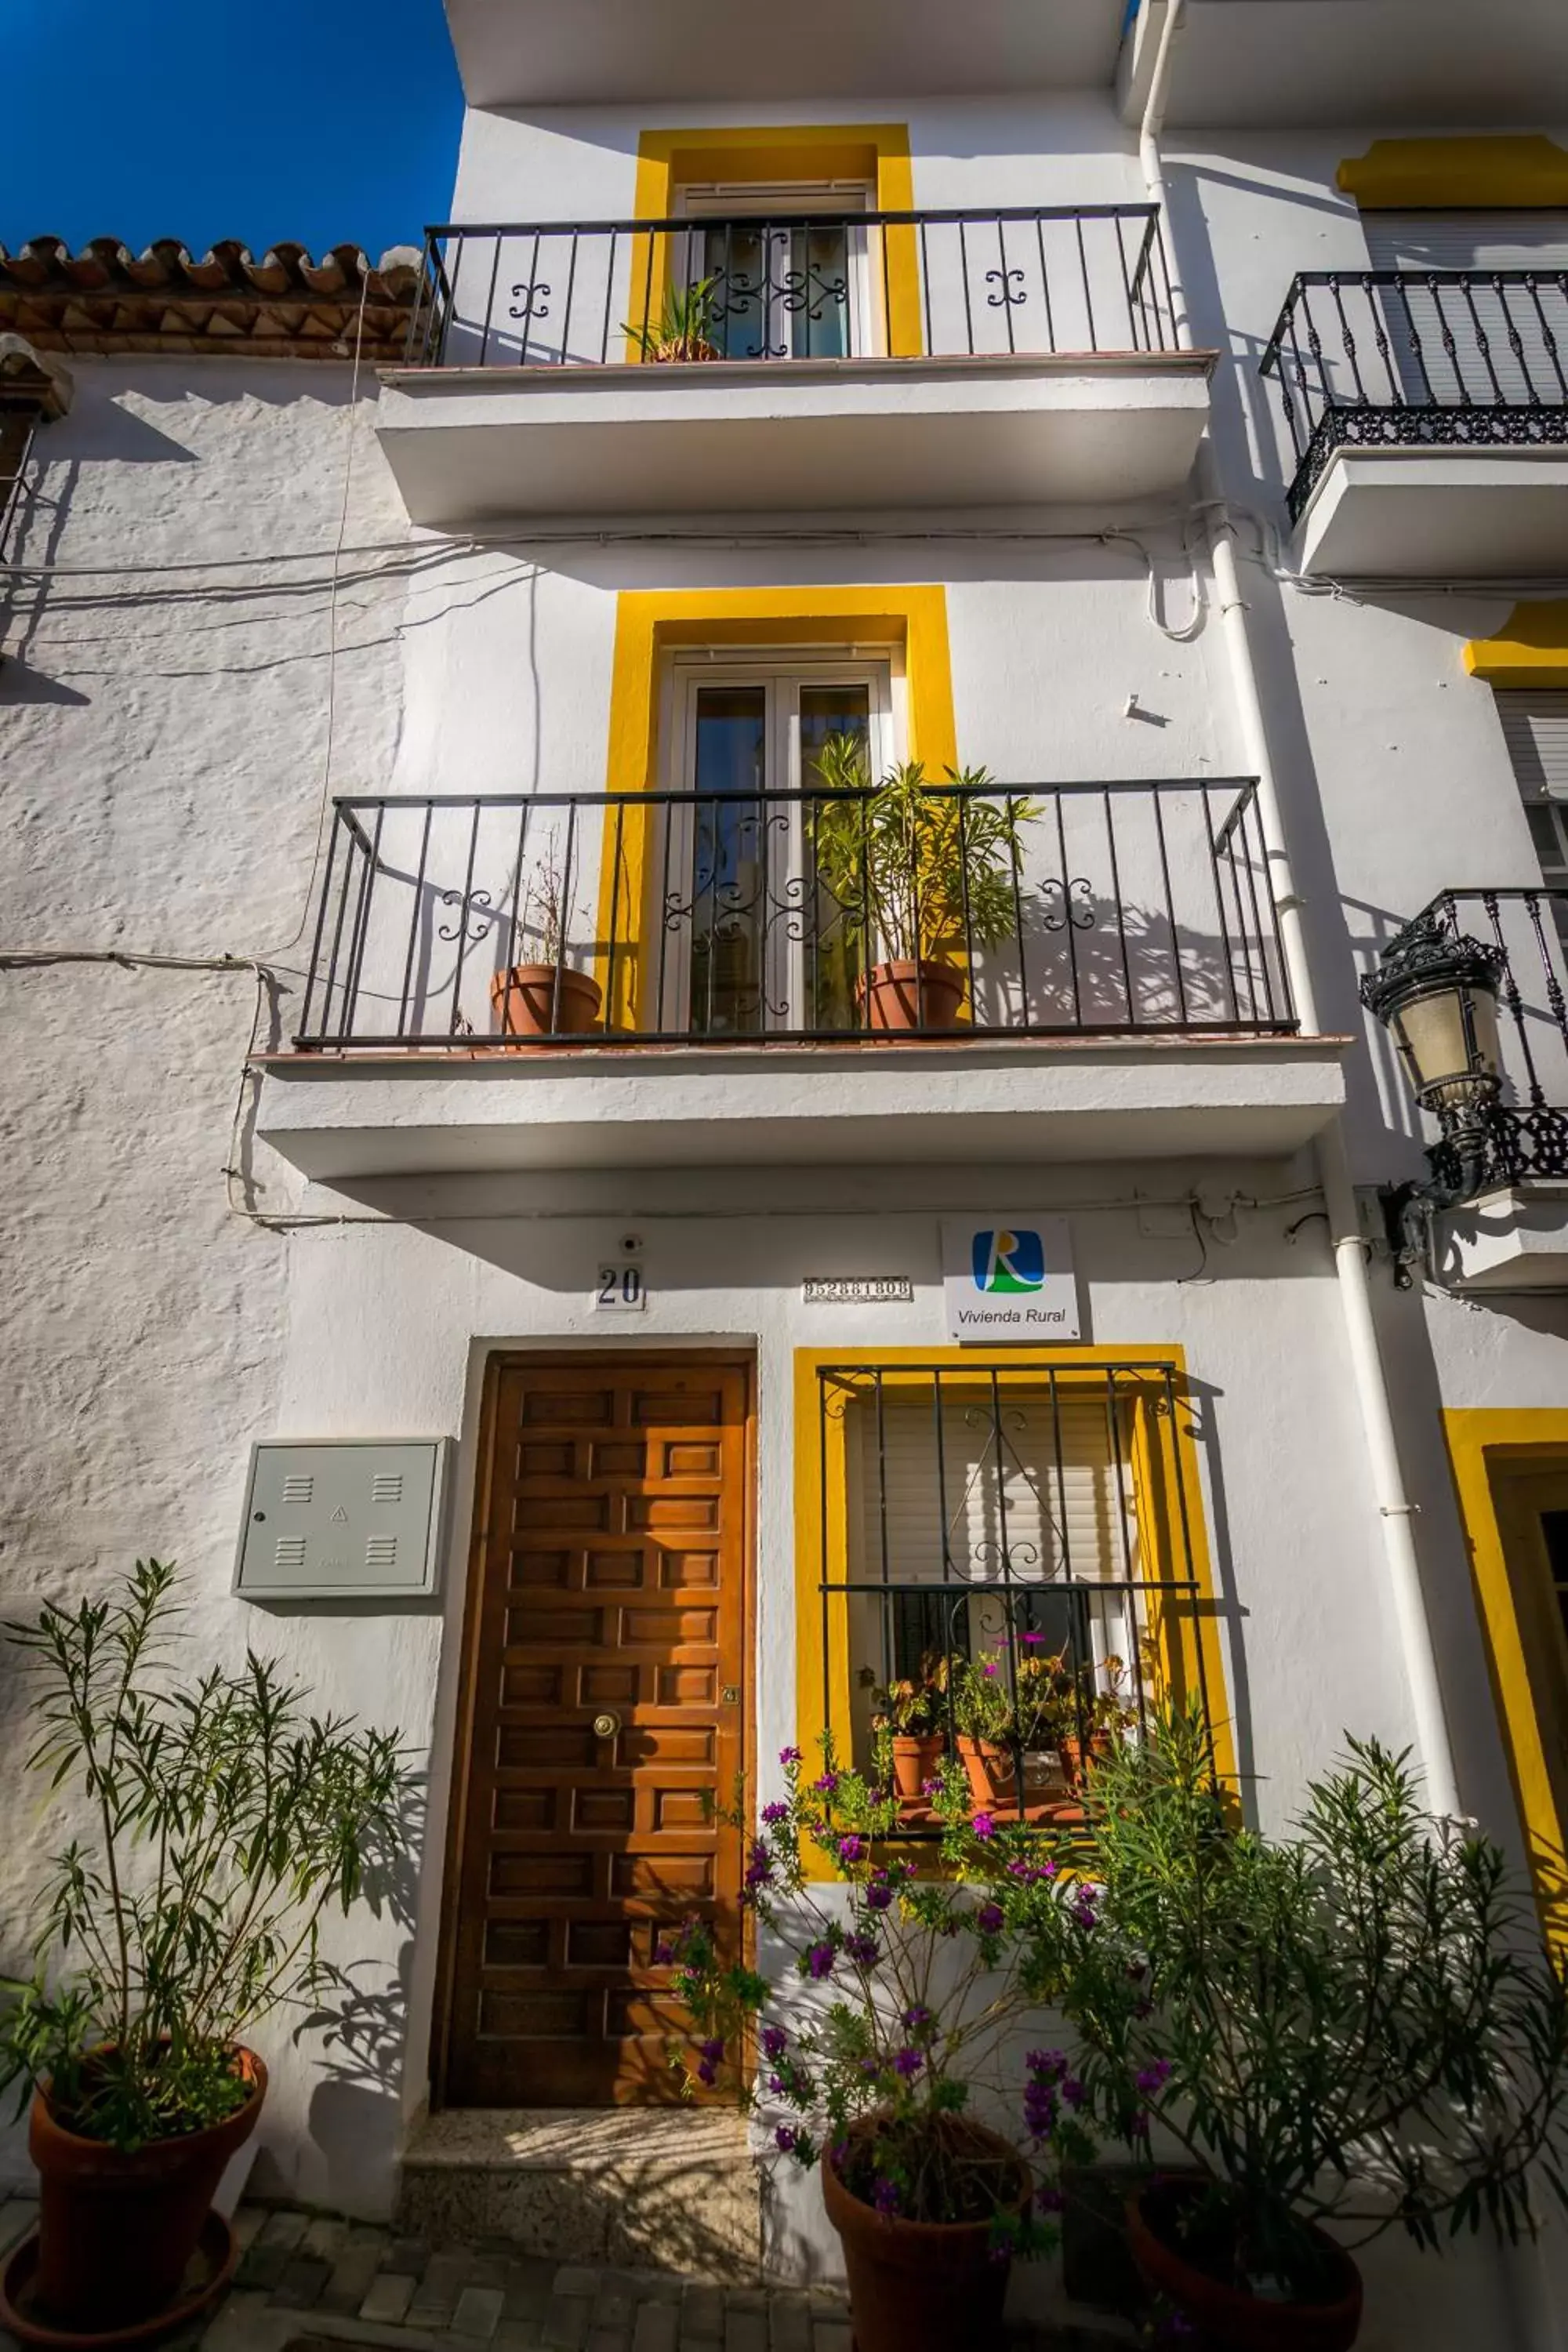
point(1435, 991)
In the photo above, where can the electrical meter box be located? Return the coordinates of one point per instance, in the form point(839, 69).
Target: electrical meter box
point(356, 1520)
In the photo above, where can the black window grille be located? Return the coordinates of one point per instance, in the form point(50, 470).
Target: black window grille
point(1008, 1554)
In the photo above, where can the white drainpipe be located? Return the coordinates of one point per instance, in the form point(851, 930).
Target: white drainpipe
point(1394, 1507)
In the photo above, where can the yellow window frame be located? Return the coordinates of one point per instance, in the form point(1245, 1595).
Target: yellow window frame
point(876, 152)
point(651, 622)
point(1167, 1495)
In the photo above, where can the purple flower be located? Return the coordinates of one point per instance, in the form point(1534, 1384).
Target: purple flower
point(1073, 2091)
point(711, 2050)
point(1040, 2111)
point(1048, 2065)
point(917, 2017)
point(819, 1960)
point(777, 2085)
point(775, 1814)
point(1150, 2079)
point(983, 1825)
point(783, 2138)
point(931, 1788)
point(851, 1848)
point(788, 1756)
point(1032, 1640)
point(884, 2196)
point(988, 1918)
point(826, 1784)
point(663, 1954)
point(990, 1670)
point(878, 1895)
point(907, 2063)
point(869, 2068)
point(705, 2073)
point(760, 1869)
point(773, 2041)
point(864, 1950)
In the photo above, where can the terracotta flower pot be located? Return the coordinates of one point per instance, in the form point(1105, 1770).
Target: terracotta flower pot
point(917, 1755)
point(923, 2286)
point(525, 998)
point(903, 997)
point(1222, 2314)
point(115, 2231)
point(991, 1769)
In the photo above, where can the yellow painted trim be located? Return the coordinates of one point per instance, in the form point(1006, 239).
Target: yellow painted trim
point(1165, 1451)
point(1482, 1443)
point(877, 152)
point(648, 623)
point(1496, 173)
point(1530, 650)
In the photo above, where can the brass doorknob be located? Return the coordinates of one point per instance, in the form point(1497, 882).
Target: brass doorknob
point(606, 1725)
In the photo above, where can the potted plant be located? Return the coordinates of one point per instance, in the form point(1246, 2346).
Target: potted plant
point(224, 1820)
point(987, 1718)
point(684, 328)
point(909, 1715)
point(1355, 2025)
point(873, 2052)
point(1091, 1716)
point(924, 874)
point(546, 999)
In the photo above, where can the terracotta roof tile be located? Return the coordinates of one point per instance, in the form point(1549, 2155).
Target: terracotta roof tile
point(281, 305)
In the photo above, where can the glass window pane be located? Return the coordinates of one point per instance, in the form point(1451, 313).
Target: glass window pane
point(833, 946)
point(730, 844)
point(817, 293)
point(735, 261)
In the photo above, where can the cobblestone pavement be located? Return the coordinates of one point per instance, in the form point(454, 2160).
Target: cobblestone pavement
point(333, 2282)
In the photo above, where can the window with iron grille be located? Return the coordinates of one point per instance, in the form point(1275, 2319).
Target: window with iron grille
point(998, 1519)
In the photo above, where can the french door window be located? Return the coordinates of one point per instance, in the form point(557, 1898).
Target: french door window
point(782, 288)
point(752, 944)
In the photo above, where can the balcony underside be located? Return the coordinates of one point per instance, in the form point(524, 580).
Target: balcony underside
point(1472, 512)
point(1515, 1239)
point(1011, 1101)
point(469, 444)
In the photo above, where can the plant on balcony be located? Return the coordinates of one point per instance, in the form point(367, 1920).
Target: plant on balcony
point(1355, 2024)
point(219, 1820)
point(897, 2019)
point(684, 328)
point(911, 1715)
point(922, 874)
point(547, 998)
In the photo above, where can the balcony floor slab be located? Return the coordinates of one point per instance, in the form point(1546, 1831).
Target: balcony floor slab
point(471, 445)
point(1438, 514)
point(1010, 1101)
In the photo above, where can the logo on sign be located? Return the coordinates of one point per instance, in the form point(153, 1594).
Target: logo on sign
point(1008, 1263)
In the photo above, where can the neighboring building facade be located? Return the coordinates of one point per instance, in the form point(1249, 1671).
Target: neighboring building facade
point(972, 447)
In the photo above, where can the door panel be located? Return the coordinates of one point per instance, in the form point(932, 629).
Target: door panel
point(606, 1722)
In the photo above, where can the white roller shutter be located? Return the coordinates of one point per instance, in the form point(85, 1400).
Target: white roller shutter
point(1535, 728)
point(1500, 374)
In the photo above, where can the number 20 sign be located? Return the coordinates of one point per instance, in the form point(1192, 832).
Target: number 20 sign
point(619, 1290)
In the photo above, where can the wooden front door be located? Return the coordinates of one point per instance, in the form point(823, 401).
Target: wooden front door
point(605, 1719)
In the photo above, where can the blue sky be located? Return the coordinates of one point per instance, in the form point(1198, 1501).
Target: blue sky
point(325, 120)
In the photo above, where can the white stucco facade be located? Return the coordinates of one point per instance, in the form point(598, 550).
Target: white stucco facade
point(221, 615)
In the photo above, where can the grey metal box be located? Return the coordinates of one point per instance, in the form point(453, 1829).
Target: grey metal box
point(359, 1518)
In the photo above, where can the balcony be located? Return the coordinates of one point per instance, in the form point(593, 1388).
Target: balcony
point(1428, 416)
point(792, 362)
point(1511, 1232)
point(669, 979)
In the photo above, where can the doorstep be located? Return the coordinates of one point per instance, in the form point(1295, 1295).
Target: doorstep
point(672, 2188)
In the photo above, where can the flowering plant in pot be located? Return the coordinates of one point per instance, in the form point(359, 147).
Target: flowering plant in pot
point(1353, 2025)
point(910, 1714)
point(984, 1710)
point(545, 998)
point(923, 873)
point(221, 1820)
point(901, 2009)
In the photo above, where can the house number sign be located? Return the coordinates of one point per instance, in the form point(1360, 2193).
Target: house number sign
point(618, 1289)
point(857, 1290)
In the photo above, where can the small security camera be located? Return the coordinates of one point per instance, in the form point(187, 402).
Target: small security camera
point(631, 1243)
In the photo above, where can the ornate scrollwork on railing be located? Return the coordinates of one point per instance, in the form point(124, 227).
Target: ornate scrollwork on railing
point(1003, 280)
point(1072, 901)
point(533, 305)
point(478, 907)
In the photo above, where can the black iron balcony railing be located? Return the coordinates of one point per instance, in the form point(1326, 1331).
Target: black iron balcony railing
point(729, 918)
point(794, 285)
point(1412, 359)
point(1527, 1126)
